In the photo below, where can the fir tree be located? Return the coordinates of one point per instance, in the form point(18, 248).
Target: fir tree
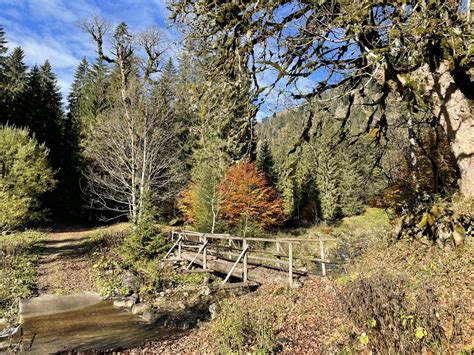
point(168, 81)
point(90, 97)
point(13, 88)
point(265, 163)
point(351, 182)
point(48, 123)
point(327, 180)
point(3, 51)
point(78, 85)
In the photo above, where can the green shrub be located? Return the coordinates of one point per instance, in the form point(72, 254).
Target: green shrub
point(25, 177)
point(117, 250)
point(389, 320)
point(19, 255)
point(251, 329)
point(146, 242)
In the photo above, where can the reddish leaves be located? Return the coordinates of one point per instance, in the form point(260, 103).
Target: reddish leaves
point(248, 200)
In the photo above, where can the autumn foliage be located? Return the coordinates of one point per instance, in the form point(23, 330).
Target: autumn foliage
point(187, 203)
point(248, 201)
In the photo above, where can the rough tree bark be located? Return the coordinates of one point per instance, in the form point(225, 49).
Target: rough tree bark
point(455, 112)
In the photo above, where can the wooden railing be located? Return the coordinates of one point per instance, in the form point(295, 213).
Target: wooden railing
point(247, 251)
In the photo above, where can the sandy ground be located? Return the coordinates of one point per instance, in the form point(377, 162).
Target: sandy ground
point(63, 266)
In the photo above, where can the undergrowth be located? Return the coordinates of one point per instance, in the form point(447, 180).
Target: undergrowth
point(19, 254)
point(116, 251)
point(412, 295)
point(253, 328)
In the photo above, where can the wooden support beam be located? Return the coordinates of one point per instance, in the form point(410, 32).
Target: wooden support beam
point(290, 263)
point(196, 271)
point(172, 248)
point(245, 246)
point(323, 265)
point(204, 253)
point(195, 257)
point(256, 272)
point(235, 264)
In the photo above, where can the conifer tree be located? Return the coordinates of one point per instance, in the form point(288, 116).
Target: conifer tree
point(13, 88)
point(3, 51)
point(351, 181)
point(77, 87)
point(327, 180)
point(46, 119)
point(25, 177)
point(167, 83)
point(265, 163)
point(201, 202)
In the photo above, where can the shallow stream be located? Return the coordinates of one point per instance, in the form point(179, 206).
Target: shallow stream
point(97, 327)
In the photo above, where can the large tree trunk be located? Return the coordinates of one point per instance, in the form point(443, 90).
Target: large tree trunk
point(455, 113)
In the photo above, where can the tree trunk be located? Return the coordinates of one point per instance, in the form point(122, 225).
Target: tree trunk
point(455, 113)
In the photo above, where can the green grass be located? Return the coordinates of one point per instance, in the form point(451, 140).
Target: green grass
point(19, 254)
point(371, 219)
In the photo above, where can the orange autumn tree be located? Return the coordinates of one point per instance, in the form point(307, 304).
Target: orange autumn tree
point(248, 201)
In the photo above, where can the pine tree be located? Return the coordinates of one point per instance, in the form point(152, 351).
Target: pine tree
point(89, 97)
point(13, 88)
point(327, 180)
point(351, 181)
point(78, 85)
point(265, 163)
point(168, 81)
point(48, 124)
point(3, 51)
point(26, 177)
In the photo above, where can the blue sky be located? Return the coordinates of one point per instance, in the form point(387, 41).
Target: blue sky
point(48, 29)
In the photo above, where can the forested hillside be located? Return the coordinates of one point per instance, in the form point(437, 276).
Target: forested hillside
point(240, 177)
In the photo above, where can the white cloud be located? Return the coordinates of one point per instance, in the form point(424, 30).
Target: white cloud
point(37, 52)
point(48, 29)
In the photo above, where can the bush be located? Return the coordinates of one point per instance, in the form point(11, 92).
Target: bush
point(146, 242)
point(25, 177)
point(389, 320)
point(251, 329)
point(116, 251)
point(19, 254)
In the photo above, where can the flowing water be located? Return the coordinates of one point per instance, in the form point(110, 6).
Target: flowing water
point(100, 326)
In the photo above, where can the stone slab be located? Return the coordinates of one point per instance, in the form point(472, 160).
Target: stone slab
point(52, 304)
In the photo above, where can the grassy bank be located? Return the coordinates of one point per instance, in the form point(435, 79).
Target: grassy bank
point(19, 254)
point(117, 252)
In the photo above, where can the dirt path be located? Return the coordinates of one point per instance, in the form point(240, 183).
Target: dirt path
point(63, 266)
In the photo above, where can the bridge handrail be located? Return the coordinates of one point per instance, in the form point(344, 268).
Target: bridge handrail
point(204, 247)
point(252, 239)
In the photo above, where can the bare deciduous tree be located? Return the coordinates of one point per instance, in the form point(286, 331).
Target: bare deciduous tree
point(135, 157)
point(133, 151)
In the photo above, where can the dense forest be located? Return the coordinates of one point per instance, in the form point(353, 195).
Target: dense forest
point(364, 137)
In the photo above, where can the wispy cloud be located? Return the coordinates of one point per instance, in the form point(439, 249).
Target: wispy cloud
point(49, 30)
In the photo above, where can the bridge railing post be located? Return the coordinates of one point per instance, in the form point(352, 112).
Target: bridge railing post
point(290, 263)
point(180, 241)
point(245, 247)
point(204, 253)
point(321, 248)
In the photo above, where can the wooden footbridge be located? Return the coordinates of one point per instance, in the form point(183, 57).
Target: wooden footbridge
point(253, 260)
